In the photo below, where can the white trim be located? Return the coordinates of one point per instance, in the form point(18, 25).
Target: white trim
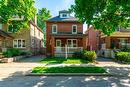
point(21, 43)
point(72, 29)
point(59, 41)
point(72, 42)
point(52, 28)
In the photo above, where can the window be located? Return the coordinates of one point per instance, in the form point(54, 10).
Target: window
point(0, 26)
point(19, 44)
point(64, 15)
point(12, 29)
point(58, 43)
point(72, 43)
point(74, 29)
point(54, 29)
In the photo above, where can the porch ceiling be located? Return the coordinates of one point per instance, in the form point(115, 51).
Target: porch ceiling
point(68, 35)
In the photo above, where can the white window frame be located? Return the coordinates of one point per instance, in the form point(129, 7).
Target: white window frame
point(57, 41)
point(1, 26)
point(53, 28)
point(72, 29)
point(72, 44)
point(21, 43)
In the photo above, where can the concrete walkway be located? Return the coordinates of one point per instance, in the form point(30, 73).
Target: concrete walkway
point(23, 66)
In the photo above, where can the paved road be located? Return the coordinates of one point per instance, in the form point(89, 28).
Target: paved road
point(13, 75)
point(64, 81)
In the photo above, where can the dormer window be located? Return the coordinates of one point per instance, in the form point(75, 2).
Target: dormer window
point(64, 14)
point(74, 29)
point(54, 29)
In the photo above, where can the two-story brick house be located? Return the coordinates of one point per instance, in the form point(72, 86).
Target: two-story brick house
point(30, 39)
point(92, 39)
point(64, 31)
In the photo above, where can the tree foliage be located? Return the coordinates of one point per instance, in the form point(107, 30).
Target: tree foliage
point(10, 8)
point(104, 15)
point(43, 15)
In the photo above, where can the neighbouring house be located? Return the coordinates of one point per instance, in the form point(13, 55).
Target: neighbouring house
point(30, 39)
point(92, 39)
point(116, 40)
point(64, 35)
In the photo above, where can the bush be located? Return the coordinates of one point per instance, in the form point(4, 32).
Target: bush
point(123, 57)
point(90, 56)
point(86, 55)
point(12, 52)
point(78, 54)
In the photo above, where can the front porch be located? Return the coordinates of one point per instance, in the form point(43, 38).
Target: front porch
point(115, 42)
point(65, 47)
point(5, 41)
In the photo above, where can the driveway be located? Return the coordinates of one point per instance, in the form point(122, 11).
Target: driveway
point(23, 66)
point(13, 75)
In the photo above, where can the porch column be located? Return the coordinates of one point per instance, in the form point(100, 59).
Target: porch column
point(84, 42)
point(108, 42)
point(53, 46)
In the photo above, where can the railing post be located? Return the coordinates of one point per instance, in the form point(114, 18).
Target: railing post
point(66, 55)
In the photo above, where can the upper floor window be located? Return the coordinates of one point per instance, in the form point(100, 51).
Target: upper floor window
point(74, 29)
point(64, 15)
point(54, 29)
point(12, 29)
point(0, 26)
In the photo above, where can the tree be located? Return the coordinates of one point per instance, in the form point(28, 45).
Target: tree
point(43, 15)
point(20, 8)
point(104, 15)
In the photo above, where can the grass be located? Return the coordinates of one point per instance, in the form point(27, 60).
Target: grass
point(68, 70)
point(63, 60)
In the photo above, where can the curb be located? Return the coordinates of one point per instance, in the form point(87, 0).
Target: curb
point(71, 74)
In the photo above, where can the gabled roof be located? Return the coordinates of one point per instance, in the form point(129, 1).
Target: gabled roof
point(58, 19)
point(4, 34)
point(64, 11)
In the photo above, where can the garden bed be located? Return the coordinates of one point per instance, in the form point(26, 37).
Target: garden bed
point(11, 59)
point(42, 70)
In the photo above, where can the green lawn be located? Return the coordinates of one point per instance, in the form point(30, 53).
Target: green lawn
point(68, 70)
point(63, 60)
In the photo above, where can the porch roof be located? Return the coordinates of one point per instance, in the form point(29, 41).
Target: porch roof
point(118, 34)
point(68, 35)
point(4, 34)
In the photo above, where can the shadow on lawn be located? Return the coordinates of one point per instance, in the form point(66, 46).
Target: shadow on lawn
point(51, 61)
point(17, 79)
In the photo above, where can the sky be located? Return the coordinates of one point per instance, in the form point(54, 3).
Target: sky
point(55, 6)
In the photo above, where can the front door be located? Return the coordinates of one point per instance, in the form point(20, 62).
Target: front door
point(58, 45)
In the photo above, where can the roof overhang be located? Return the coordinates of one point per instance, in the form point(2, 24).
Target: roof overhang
point(118, 34)
point(68, 35)
point(5, 35)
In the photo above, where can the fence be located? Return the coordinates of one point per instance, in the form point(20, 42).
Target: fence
point(66, 51)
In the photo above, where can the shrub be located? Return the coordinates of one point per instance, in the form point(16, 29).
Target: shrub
point(86, 55)
point(123, 57)
point(78, 54)
point(12, 52)
point(90, 56)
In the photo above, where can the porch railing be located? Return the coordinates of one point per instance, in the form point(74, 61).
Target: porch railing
point(63, 51)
